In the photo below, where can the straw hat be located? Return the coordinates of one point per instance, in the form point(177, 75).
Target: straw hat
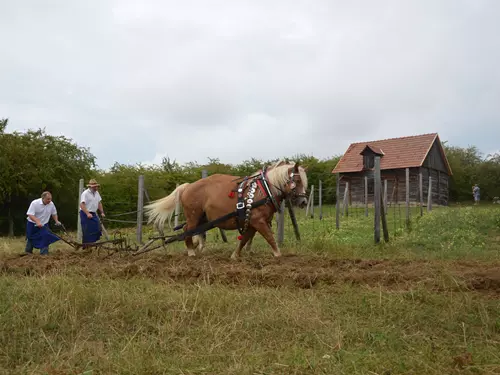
point(92, 183)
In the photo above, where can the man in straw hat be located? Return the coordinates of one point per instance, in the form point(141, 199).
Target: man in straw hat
point(90, 202)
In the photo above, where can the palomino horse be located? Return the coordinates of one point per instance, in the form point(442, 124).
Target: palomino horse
point(214, 197)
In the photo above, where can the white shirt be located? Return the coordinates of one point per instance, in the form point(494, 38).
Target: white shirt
point(41, 211)
point(91, 200)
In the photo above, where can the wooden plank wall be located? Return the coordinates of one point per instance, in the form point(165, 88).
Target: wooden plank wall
point(396, 187)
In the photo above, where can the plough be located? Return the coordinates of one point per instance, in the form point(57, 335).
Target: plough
point(119, 243)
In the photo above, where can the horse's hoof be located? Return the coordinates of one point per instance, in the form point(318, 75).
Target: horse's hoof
point(191, 253)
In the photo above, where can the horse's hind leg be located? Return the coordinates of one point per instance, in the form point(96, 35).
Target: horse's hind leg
point(263, 227)
point(193, 220)
point(247, 238)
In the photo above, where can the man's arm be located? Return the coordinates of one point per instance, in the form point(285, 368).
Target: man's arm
point(84, 209)
point(101, 209)
point(56, 219)
point(36, 220)
point(54, 214)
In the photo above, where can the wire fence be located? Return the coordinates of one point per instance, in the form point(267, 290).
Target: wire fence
point(343, 214)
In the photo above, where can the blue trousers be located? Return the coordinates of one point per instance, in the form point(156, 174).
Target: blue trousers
point(91, 228)
point(39, 238)
point(29, 248)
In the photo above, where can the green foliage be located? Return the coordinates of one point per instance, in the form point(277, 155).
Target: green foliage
point(33, 162)
point(469, 168)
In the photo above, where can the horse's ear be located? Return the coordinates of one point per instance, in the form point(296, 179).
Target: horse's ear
point(305, 168)
point(277, 164)
point(296, 167)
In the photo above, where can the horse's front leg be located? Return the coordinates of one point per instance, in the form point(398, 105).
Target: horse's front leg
point(262, 226)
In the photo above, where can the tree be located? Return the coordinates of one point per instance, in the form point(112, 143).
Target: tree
point(33, 162)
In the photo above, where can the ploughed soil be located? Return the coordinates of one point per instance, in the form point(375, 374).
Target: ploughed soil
point(298, 270)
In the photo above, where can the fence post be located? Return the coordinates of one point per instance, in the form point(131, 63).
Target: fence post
point(377, 198)
point(312, 201)
point(421, 195)
point(429, 195)
point(385, 195)
point(281, 223)
point(407, 197)
point(79, 223)
point(346, 199)
point(309, 203)
point(140, 208)
point(366, 196)
point(293, 218)
point(337, 202)
point(320, 190)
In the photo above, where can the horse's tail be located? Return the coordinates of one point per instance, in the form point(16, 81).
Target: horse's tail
point(162, 209)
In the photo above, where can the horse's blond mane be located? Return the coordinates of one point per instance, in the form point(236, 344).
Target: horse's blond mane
point(278, 175)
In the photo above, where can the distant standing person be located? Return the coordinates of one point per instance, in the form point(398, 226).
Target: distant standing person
point(37, 229)
point(90, 202)
point(476, 193)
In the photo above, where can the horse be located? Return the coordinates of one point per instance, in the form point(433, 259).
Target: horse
point(255, 198)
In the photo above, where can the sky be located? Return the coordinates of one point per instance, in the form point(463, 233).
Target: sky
point(139, 81)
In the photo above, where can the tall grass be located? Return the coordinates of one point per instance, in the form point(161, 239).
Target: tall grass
point(78, 325)
point(72, 324)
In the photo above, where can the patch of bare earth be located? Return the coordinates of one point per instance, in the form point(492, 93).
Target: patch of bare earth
point(302, 271)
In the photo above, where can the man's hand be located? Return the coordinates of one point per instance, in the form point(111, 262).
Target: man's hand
point(58, 223)
point(89, 215)
point(102, 214)
point(39, 224)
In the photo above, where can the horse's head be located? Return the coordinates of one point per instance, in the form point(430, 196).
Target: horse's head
point(291, 180)
point(298, 185)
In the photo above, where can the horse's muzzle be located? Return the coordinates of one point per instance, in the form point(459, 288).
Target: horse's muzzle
point(301, 202)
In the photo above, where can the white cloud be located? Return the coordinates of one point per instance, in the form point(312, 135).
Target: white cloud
point(138, 80)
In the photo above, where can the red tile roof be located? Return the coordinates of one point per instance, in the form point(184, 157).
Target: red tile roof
point(403, 152)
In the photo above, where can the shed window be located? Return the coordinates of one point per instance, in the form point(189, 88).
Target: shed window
point(369, 161)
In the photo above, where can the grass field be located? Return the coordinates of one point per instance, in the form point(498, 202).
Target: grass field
point(427, 302)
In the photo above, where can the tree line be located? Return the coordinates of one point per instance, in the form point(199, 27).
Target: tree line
point(34, 161)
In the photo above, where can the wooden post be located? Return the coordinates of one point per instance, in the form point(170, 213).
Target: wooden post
point(312, 201)
point(79, 223)
point(421, 191)
point(346, 197)
point(377, 199)
point(140, 208)
point(320, 190)
point(384, 220)
point(366, 196)
point(385, 195)
point(281, 223)
point(429, 195)
point(309, 201)
point(337, 202)
point(293, 219)
point(177, 208)
point(407, 197)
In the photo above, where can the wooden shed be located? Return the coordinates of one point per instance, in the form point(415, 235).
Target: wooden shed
point(422, 157)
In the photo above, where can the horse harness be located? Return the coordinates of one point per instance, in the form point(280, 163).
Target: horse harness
point(244, 204)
